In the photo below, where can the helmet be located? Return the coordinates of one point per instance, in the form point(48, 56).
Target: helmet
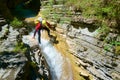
point(40, 19)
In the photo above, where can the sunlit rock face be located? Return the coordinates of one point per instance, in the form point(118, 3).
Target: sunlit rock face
point(7, 6)
point(86, 46)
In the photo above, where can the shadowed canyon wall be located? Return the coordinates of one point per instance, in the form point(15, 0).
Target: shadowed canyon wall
point(8, 6)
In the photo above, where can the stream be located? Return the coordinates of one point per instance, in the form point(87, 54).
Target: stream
point(60, 67)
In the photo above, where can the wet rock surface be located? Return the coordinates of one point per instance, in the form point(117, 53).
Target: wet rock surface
point(10, 64)
point(16, 65)
point(8, 38)
point(89, 49)
point(35, 68)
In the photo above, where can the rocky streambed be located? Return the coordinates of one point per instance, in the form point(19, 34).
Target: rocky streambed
point(16, 63)
point(90, 51)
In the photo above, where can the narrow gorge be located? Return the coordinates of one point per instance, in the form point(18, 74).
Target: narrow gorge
point(85, 42)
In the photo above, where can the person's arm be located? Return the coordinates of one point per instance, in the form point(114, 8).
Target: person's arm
point(49, 25)
point(36, 29)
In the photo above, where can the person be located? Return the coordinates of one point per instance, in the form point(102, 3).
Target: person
point(41, 25)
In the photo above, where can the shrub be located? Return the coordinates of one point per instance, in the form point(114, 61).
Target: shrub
point(20, 48)
point(16, 23)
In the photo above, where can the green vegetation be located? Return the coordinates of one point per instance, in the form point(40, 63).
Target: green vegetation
point(16, 23)
point(20, 48)
point(107, 47)
point(113, 45)
point(117, 47)
point(45, 13)
point(117, 50)
point(105, 11)
point(116, 43)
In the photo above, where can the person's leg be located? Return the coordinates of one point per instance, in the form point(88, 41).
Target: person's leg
point(34, 33)
point(48, 31)
point(39, 36)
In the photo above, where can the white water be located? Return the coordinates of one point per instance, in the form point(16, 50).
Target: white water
point(60, 67)
point(54, 59)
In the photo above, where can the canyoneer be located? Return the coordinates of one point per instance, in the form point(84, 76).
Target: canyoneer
point(41, 24)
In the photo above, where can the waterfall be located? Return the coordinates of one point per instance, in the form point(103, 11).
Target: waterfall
point(60, 67)
point(55, 60)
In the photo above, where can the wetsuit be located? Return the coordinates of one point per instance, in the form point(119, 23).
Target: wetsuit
point(39, 27)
